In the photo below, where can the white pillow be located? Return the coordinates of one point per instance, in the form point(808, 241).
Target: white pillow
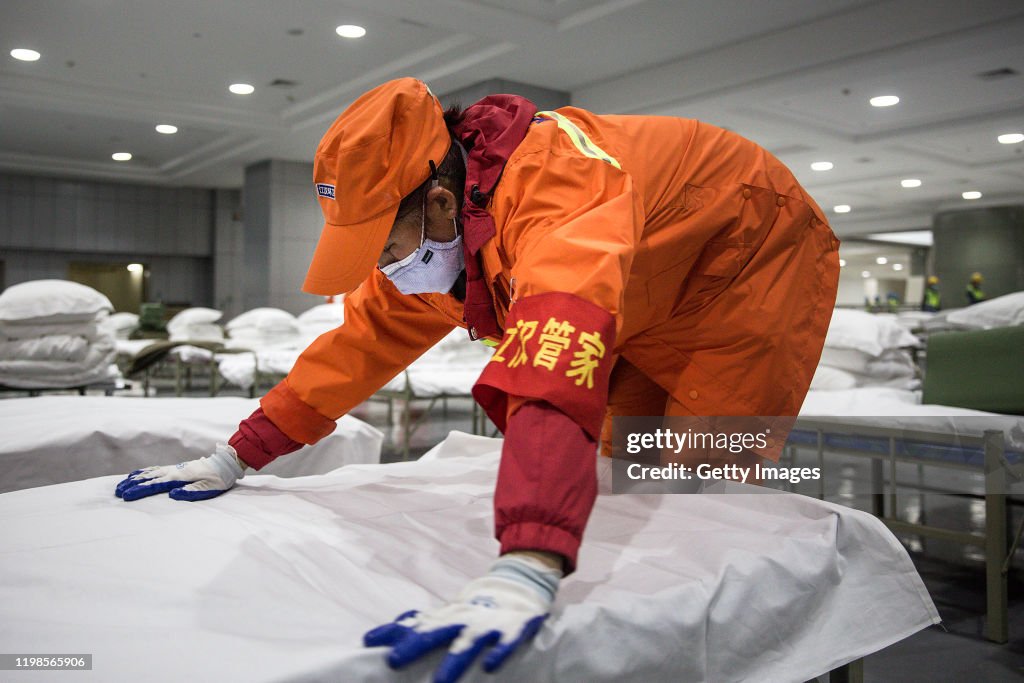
point(121, 321)
point(1003, 311)
point(867, 332)
point(832, 379)
point(264, 319)
point(52, 301)
point(193, 316)
point(197, 332)
point(332, 314)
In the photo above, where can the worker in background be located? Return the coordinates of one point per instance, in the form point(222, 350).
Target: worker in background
point(974, 293)
point(932, 300)
point(892, 301)
point(619, 265)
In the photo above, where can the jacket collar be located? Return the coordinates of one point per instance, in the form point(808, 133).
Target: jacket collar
point(489, 131)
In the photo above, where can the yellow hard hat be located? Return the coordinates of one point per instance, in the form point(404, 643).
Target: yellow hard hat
point(976, 277)
point(933, 280)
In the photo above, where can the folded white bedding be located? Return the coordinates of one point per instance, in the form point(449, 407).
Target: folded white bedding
point(240, 368)
point(59, 347)
point(94, 366)
point(130, 347)
point(52, 439)
point(278, 579)
point(198, 332)
point(23, 330)
point(887, 365)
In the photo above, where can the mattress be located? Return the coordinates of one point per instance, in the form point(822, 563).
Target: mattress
point(54, 439)
point(903, 410)
point(278, 579)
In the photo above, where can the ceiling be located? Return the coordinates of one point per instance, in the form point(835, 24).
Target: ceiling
point(793, 75)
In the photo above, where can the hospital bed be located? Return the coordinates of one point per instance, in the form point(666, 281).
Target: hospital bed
point(53, 439)
point(427, 385)
point(447, 371)
point(278, 579)
point(927, 449)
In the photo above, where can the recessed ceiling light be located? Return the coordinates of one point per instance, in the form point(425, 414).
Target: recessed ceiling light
point(884, 101)
point(842, 263)
point(881, 260)
point(865, 273)
point(350, 31)
point(971, 194)
point(822, 166)
point(910, 182)
point(897, 266)
point(841, 208)
point(241, 88)
point(25, 54)
point(121, 156)
point(166, 129)
point(1011, 138)
point(135, 268)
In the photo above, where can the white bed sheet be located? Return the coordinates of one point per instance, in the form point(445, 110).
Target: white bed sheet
point(425, 378)
point(278, 579)
point(53, 439)
point(428, 381)
point(904, 410)
point(130, 347)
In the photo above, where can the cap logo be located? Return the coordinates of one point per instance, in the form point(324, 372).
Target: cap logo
point(325, 190)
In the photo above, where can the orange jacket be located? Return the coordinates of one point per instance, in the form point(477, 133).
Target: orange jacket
point(627, 236)
point(645, 243)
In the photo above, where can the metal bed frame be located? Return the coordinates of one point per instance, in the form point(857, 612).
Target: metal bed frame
point(407, 396)
point(832, 436)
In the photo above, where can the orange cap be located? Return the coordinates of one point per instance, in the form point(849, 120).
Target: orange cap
point(378, 151)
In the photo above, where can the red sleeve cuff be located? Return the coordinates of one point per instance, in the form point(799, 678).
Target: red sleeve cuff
point(258, 441)
point(295, 417)
point(536, 536)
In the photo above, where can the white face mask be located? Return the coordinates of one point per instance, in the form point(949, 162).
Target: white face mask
point(432, 267)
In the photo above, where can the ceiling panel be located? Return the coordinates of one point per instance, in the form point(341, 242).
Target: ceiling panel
point(793, 75)
point(95, 138)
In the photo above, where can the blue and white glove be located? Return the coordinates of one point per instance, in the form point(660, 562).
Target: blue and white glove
point(193, 480)
point(496, 612)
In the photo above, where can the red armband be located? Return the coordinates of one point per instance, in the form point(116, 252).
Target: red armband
point(557, 348)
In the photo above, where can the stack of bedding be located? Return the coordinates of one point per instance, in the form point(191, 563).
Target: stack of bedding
point(52, 336)
point(121, 325)
point(196, 324)
point(1003, 311)
point(264, 328)
point(451, 367)
point(866, 350)
point(320, 319)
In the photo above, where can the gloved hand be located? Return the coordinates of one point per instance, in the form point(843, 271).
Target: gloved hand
point(193, 480)
point(498, 611)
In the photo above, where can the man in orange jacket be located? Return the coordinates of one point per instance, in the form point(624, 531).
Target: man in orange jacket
point(620, 265)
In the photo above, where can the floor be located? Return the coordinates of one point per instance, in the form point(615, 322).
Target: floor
point(953, 651)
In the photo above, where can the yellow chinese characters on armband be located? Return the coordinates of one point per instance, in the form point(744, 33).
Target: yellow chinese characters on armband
point(522, 332)
point(556, 348)
point(586, 360)
point(555, 338)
